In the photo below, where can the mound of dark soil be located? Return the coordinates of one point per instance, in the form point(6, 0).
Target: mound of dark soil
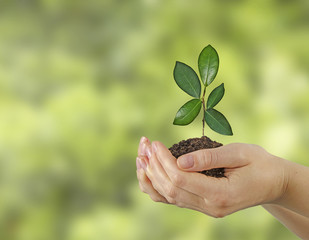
point(194, 144)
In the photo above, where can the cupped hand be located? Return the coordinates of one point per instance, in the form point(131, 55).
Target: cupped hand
point(253, 177)
point(142, 161)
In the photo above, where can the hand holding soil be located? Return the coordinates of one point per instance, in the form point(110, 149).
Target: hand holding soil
point(252, 177)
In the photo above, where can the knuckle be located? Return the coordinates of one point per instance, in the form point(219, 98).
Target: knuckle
point(170, 191)
point(180, 204)
point(177, 179)
point(245, 151)
point(171, 200)
point(157, 188)
point(241, 151)
point(156, 199)
point(222, 200)
point(205, 159)
point(208, 158)
point(219, 213)
point(222, 203)
point(243, 155)
point(259, 150)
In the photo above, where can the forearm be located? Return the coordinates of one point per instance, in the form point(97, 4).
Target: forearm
point(292, 208)
point(296, 195)
point(295, 222)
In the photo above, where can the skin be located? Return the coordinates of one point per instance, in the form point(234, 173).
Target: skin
point(253, 177)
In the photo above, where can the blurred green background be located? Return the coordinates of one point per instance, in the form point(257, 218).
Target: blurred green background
point(82, 81)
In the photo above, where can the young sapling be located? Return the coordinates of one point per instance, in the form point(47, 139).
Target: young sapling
point(187, 79)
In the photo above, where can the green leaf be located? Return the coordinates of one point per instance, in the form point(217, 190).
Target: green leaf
point(188, 112)
point(215, 96)
point(217, 122)
point(187, 79)
point(208, 64)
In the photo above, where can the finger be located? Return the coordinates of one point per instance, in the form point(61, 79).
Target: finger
point(144, 182)
point(193, 182)
point(146, 187)
point(146, 150)
point(228, 156)
point(141, 162)
point(138, 164)
point(142, 146)
point(165, 187)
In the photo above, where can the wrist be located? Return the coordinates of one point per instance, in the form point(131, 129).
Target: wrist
point(284, 180)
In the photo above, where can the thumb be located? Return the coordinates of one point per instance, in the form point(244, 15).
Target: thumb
point(228, 156)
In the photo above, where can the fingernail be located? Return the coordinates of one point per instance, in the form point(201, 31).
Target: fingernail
point(143, 140)
point(154, 147)
point(148, 152)
point(138, 163)
point(186, 161)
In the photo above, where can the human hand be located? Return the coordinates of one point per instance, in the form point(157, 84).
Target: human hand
point(253, 177)
point(142, 161)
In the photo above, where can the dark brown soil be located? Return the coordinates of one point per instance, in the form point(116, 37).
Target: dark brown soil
point(194, 144)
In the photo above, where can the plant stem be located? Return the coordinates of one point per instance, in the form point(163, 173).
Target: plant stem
point(204, 109)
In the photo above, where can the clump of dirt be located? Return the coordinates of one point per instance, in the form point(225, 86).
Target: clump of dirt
point(194, 144)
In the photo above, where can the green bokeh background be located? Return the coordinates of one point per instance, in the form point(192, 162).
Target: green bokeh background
point(82, 81)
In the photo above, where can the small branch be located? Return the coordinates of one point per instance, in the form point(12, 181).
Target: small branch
point(204, 109)
point(203, 120)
